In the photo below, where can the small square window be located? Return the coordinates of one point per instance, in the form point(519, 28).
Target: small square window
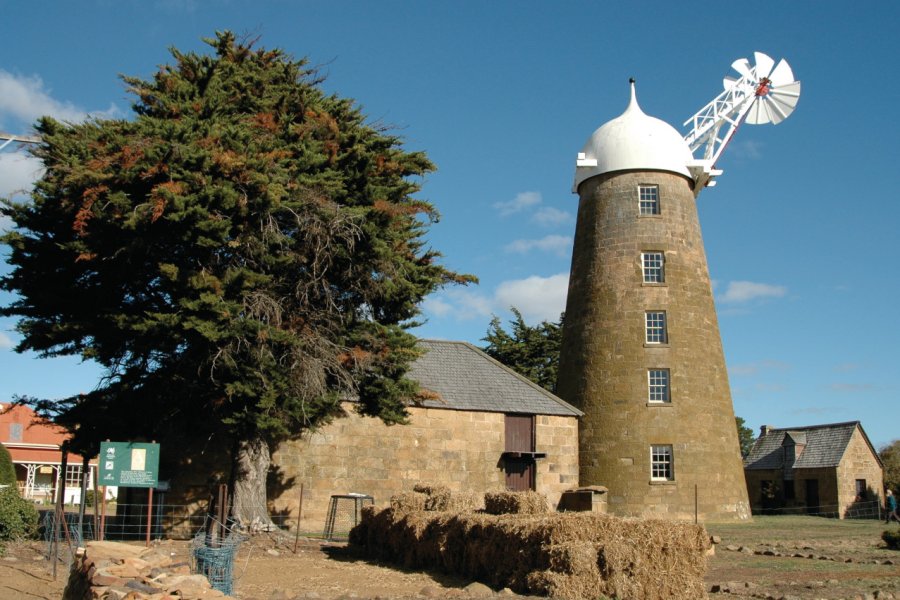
point(649, 199)
point(653, 264)
point(656, 327)
point(661, 463)
point(658, 385)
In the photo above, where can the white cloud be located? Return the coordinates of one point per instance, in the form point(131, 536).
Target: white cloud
point(557, 244)
point(25, 98)
point(747, 149)
point(18, 172)
point(5, 341)
point(538, 298)
point(745, 291)
point(756, 367)
point(548, 216)
point(851, 388)
point(519, 203)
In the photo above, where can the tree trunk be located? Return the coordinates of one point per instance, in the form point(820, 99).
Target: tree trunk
point(251, 466)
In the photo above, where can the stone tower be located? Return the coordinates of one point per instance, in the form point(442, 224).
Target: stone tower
point(641, 351)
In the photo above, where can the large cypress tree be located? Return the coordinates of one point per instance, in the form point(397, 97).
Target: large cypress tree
point(246, 251)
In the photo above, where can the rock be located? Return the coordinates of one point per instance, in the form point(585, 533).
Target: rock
point(478, 590)
point(431, 591)
point(715, 539)
point(732, 547)
point(506, 592)
point(272, 552)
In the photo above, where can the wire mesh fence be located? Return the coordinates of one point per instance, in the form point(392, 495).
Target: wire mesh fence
point(871, 509)
point(124, 522)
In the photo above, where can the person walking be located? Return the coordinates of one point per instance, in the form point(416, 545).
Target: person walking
point(891, 507)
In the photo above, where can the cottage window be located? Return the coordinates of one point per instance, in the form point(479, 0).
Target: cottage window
point(658, 385)
point(656, 327)
point(73, 476)
point(15, 432)
point(661, 463)
point(648, 199)
point(653, 264)
point(861, 489)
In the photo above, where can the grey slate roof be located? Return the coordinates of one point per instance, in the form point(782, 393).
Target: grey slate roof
point(465, 378)
point(825, 446)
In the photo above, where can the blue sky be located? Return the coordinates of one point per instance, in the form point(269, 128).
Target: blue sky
point(799, 231)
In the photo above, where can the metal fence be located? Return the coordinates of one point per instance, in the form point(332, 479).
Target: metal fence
point(871, 509)
point(130, 522)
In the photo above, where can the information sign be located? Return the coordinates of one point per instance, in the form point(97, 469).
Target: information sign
point(129, 464)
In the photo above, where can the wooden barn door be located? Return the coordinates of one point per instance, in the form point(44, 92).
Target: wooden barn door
point(519, 438)
point(812, 496)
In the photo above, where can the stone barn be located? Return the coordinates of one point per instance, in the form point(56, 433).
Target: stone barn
point(487, 429)
point(821, 469)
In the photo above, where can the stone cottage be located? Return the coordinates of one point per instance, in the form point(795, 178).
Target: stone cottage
point(487, 429)
point(821, 469)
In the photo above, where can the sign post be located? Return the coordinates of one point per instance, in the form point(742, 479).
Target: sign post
point(131, 464)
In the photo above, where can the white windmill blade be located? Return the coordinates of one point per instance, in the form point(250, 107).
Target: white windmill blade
point(742, 66)
point(758, 113)
point(728, 82)
point(782, 75)
point(764, 64)
point(784, 100)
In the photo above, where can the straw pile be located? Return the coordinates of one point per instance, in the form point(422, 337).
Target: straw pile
point(439, 498)
point(515, 503)
point(575, 556)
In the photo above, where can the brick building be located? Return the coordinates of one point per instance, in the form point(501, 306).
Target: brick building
point(821, 469)
point(35, 448)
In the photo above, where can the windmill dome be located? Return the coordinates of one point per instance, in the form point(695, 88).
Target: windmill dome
point(633, 140)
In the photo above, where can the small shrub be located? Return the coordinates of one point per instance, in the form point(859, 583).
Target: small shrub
point(892, 539)
point(7, 469)
point(18, 517)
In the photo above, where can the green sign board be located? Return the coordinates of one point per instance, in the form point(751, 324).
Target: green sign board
point(129, 464)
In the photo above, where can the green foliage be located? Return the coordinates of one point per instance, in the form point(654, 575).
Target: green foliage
point(890, 457)
point(530, 351)
point(7, 469)
point(745, 436)
point(246, 250)
point(18, 517)
point(892, 539)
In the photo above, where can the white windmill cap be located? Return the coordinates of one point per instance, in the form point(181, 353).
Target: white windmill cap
point(633, 140)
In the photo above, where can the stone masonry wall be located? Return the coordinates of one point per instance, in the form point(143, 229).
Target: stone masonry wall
point(459, 449)
point(859, 462)
point(605, 358)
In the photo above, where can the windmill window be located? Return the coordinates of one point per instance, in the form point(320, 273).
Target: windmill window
point(661, 463)
point(653, 264)
point(658, 385)
point(648, 196)
point(656, 327)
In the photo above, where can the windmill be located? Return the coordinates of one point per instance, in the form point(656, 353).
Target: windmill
point(641, 353)
point(763, 93)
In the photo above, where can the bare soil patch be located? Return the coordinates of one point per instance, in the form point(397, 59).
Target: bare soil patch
point(807, 558)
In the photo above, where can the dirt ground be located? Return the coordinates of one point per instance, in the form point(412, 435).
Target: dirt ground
point(803, 558)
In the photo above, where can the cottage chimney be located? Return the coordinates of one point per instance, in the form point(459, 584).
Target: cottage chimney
point(765, 429)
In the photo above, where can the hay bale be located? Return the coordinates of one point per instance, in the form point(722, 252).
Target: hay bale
point(440, 498)
point(437, 497)
point(515, 503)
point(409, 502)
point(575, 556)
point(465, 502)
